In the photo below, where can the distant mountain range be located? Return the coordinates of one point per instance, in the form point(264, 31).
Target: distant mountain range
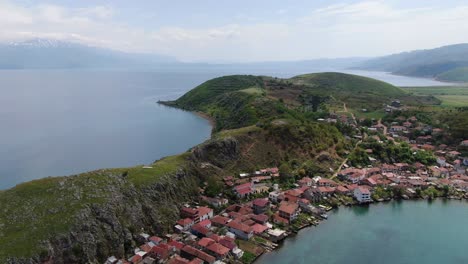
point(448, 63)
point(53, 54)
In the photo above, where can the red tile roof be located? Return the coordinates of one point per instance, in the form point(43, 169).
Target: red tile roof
point(261, 202)
point(204, 242)
point(220, 220)
point(205, 223)
point(288, 208)
point(239, 226)
point(204, 210)
point(178, 245)
point(184, 222)
point(218, 249)
point(198, 253)
point(258, 229)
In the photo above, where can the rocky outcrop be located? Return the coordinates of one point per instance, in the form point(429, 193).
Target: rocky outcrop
point(112, 227)
point(218, 152)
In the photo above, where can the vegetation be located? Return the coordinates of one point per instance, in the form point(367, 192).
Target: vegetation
point(447, 63)
point(450, 96)
point(244, 100)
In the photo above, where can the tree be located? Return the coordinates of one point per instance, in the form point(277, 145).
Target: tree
point(285, 172)
point(213, 187)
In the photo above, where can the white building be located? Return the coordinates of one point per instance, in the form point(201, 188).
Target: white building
point(362, 194)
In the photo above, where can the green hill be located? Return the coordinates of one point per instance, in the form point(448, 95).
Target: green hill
point(243, 100)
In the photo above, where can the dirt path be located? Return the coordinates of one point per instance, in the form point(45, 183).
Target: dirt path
point(384, 127)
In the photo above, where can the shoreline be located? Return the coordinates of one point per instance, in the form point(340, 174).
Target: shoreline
point(207, 117)
point(310, 225)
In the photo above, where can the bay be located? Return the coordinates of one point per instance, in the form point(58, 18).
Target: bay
point(406, 232)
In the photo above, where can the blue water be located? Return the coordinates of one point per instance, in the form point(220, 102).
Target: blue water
point(408, 232)
point(62, 122)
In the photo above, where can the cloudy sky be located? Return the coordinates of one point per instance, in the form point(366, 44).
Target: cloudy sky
point(241, 30)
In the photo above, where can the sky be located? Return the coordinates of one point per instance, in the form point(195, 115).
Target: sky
point(241, 30)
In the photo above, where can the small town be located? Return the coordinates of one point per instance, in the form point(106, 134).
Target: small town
point(257, 210)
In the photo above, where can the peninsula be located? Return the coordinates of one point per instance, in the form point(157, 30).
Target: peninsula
point(282, 153)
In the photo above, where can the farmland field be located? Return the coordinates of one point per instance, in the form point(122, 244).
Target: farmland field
point(451, 96)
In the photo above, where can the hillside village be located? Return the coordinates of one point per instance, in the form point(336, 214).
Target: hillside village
point(258, 209)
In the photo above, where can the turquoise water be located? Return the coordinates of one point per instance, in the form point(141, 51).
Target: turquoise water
point(408, 232)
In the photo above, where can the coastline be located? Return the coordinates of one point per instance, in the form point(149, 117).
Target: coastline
point(210, 119)
point(292, 235)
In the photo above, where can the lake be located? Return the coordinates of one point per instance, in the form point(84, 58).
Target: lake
point(408, 232)
point(62, 122)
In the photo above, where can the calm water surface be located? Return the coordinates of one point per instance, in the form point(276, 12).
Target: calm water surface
point(64, 122)
point(408, 232)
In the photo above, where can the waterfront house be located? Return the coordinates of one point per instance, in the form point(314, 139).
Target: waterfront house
point(362, 194)
point(288, 211)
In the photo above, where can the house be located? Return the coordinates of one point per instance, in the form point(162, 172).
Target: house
point(192, 213)
point(306, 181)
point(441, 161)
point(241, 230)
point(453, 154)
point(191, 253)
point(111, 260)
point(205, 223)
point(220, 221)
point(273, 196)
point(352, 175)
point(156, 240)
point(260, 218)
point(326, 182)
point(244, 189)
point(397, 128)
point(204, 213)
point(362, 194)
point(216, 202)
point(260, 205)
point(218, 250)
point(342, 190)
point(293, 195)
point(276, 235)
point(259, 229)
point(200, 231)
point(186, 223)
point(288, 211)
point(464, 143)
point(205, 242)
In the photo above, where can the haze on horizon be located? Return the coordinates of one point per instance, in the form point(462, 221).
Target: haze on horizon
point(241, 31)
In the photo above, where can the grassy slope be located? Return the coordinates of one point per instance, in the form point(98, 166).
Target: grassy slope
point(357, 91)
point(34, 211)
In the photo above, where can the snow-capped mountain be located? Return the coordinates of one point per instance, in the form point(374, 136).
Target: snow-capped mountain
point(50, 53)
